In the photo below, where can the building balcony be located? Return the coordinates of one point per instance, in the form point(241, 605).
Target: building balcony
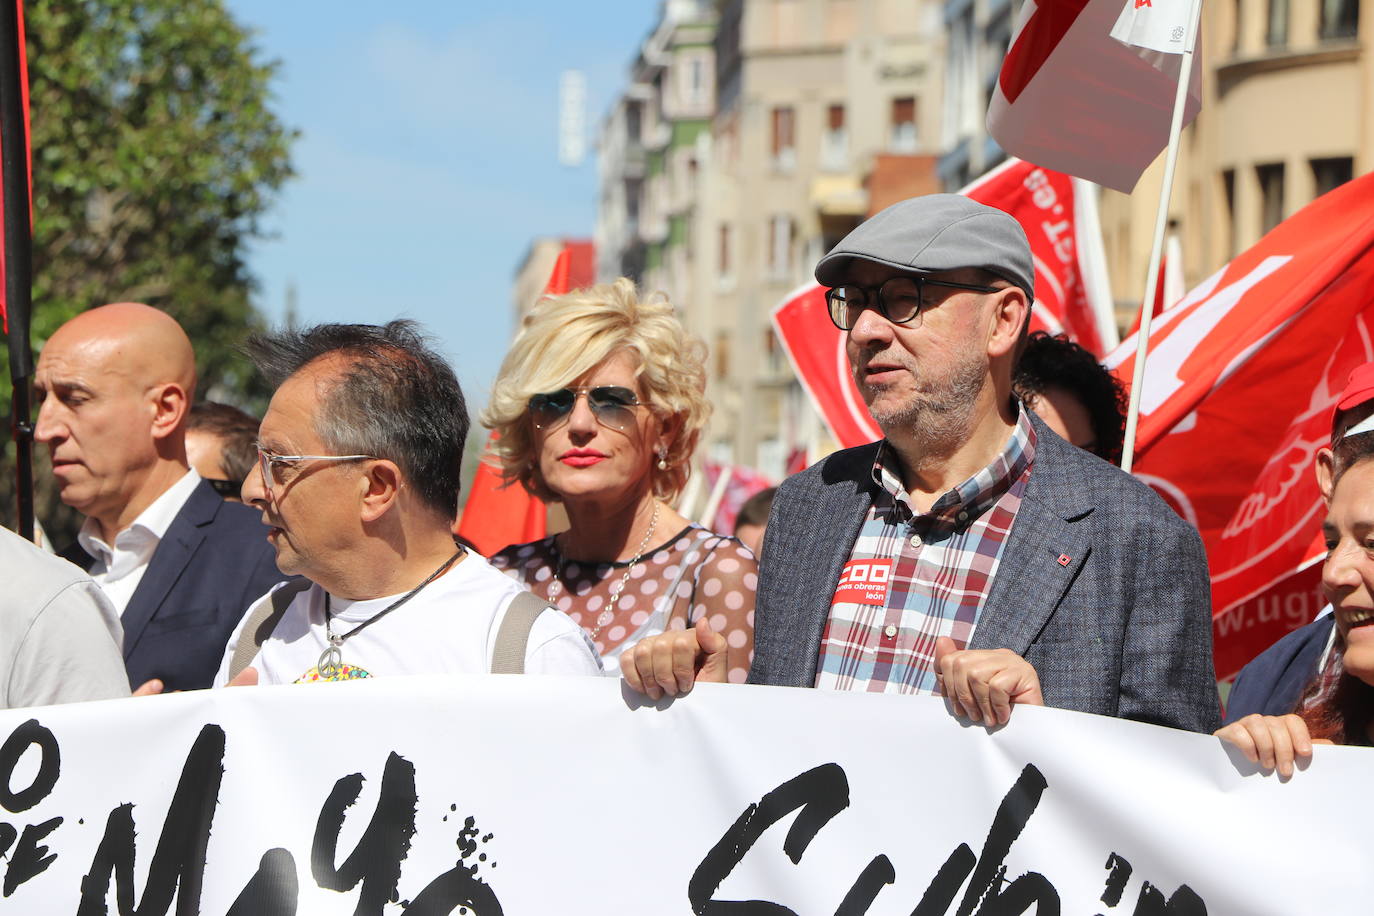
point(653, 231)
point(632, 161)
point(893, 178)
point(839, 195)
point(1242, 66)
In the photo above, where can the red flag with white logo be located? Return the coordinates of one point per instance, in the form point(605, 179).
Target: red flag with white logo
point(1046, 205)
point(1072, 97)
point(1240, 384)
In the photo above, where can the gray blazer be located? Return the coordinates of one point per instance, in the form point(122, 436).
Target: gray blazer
point(1123, 627)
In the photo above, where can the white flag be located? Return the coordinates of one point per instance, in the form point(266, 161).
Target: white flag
point(1072, 98)
point(1159, 25)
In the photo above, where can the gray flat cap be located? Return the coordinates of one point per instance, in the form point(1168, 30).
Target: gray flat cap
point(936, 232)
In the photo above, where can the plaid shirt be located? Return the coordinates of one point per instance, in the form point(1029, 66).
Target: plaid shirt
point(912, 578)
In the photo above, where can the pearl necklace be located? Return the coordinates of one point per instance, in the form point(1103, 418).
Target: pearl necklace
point(607, 615)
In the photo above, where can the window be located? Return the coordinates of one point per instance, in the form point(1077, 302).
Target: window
point(1271, 195)
point(1340, 18)
point(696, 79)
point(723, 264)
point(902, 138)
point(772, 353)
point(1236, 25)
point(780, 246)
point(1276, 34)
point(634, 192)
point(784, 138)
point(835, 140)
point(1329, 174)
point(722, 354)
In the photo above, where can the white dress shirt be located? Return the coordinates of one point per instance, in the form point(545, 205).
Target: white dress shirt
point(119, 569)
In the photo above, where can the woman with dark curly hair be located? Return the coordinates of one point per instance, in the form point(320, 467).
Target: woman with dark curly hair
point(1337, 707)
point(1073, 393)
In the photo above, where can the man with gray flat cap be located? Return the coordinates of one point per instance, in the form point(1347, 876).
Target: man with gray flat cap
point(972, 552)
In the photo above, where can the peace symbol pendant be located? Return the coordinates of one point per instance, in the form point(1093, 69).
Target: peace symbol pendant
point(331, 661)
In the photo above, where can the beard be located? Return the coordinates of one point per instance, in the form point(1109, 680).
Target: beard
point(938, 410)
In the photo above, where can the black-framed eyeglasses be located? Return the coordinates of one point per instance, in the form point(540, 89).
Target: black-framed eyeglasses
point(226, 488)
point(267, 462)
point(612, 405)
point(901, 300)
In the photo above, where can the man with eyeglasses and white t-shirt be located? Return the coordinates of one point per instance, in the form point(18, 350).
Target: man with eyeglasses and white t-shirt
point(357, 482)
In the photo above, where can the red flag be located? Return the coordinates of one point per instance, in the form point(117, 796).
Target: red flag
point(497, 515)
point(815, 348)
point(1044, 203)
point(22, 54)
point(1169, 287)
point(1072, 97)
point(743, 483)
point(1239, 388)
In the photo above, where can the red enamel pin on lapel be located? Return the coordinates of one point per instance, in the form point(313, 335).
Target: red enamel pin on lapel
point(1065, 559)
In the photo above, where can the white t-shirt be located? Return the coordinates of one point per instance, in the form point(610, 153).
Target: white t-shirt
point(449, 627)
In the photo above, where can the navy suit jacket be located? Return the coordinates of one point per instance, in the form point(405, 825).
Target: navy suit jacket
point(1273, 683)
point(1100, 586)
point(213, 562)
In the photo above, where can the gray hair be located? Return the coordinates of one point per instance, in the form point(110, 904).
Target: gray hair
point(395, 398)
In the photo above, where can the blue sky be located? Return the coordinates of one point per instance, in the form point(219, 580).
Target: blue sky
point(428, 156)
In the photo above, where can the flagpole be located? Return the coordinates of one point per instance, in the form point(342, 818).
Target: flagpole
point(1092, 261)
point(1185, 75)
point(14, 178)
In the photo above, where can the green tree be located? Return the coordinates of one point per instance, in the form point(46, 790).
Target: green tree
point(155, 153)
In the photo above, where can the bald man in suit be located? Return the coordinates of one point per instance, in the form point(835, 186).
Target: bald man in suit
point(179, 564)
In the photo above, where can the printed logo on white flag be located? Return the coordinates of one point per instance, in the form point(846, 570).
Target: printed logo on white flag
point(1160, 25)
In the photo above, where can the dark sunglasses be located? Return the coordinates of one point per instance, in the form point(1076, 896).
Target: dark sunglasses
point(612, 405)
point(901, 300)
point(226, 488)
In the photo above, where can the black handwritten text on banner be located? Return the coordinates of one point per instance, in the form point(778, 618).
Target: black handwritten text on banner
point(539, 795)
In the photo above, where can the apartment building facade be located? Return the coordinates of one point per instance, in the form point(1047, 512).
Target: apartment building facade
point(819, 104)
point(648, 149)
point(819, 112)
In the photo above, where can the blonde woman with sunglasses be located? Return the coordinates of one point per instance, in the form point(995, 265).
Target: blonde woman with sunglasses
point(599, 405)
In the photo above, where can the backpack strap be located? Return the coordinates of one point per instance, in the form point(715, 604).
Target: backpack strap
point(262, 620)
point(508, 657)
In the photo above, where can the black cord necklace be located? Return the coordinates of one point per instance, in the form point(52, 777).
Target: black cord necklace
point(331, 659)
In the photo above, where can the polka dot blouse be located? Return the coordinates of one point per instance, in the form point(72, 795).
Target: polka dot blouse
point(695, 573)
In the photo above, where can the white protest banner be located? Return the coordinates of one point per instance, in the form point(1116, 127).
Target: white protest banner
point(540, 795)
